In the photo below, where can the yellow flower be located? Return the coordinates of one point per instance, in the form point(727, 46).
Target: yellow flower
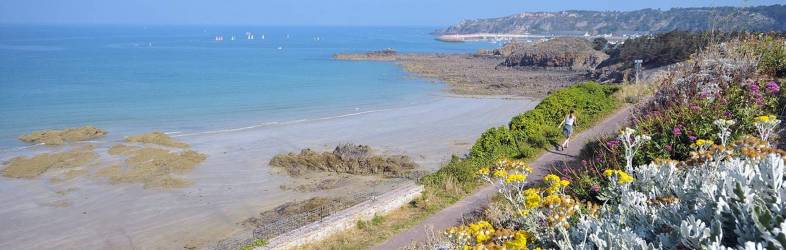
point(532, 198)
point(481, 230)
point(483, 171)
point(552, 200)
point(500, 173)
point(551, 178)
point(622, 177)
point(519, 241)
point(703, 142)
point(555, 183)
point(764, 118)
point(516, 178)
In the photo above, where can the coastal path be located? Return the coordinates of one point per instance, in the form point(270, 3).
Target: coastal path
point(454, 214)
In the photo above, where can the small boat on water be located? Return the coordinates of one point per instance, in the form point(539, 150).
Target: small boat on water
point(218, 38)
point(280, 48)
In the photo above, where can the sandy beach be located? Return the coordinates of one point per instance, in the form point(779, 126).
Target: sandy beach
point(235, 182)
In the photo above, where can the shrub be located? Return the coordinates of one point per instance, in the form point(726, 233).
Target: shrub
point(529, 133)
point(772, 54)
point(722, 198)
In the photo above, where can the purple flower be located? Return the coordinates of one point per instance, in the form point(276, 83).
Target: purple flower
point(772, 87)
point(692, 138)
point(694, 107)
point(676, 131)
point(668, 148)
point(612, 143)
point(754, 88)
point(728, 114)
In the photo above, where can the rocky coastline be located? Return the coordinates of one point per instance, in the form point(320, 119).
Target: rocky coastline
point(516, 69)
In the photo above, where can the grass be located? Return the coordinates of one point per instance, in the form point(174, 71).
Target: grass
point(633, 93)
point(255, 244)
point(380, 228)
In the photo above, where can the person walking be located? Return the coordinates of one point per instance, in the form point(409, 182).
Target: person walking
point(567, 128)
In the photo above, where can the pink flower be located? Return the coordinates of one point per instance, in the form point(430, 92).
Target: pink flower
point(754, 88)
point(668, 148)
point(676, 131)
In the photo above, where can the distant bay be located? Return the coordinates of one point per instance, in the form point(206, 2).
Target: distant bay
point(130, 79)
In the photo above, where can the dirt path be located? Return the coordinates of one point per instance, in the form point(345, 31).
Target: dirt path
point(454, 214)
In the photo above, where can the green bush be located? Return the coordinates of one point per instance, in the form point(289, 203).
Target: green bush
point(773, 56)
point(530, 133)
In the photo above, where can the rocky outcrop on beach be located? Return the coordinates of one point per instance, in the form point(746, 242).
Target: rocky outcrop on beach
point(60, 137)
point(379, 55)
point(152, 159)
point(577, 22)
point(71, 162)
point(345, 158)
point(156, 138)
point(156, 165)
point(480, 73)
point(566, 52)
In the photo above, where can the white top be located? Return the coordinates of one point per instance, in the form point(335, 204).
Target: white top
point(569, 120)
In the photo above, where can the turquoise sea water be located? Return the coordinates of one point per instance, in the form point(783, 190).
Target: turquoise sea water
point(132, 79)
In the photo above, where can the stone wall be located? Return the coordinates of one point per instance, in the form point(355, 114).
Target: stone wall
point(346, 219)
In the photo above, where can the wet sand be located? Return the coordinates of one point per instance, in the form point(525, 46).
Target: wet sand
point(233, 183)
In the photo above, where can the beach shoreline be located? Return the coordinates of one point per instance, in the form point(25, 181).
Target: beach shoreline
point(235, 182)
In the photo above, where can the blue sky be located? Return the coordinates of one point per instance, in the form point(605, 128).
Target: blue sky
point(310, 12)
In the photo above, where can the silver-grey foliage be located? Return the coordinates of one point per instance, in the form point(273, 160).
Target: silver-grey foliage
point(737, 203)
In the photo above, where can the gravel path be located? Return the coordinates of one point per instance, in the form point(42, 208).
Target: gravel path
point(454, 214)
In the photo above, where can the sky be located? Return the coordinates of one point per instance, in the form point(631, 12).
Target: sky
point(310, 12)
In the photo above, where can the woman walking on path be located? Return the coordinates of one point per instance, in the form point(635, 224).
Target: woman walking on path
point(567, 128)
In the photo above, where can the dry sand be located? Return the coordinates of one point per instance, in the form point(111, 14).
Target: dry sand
point(234, 183)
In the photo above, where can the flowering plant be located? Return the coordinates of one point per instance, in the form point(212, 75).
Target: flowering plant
point(631, 142)
point(765, 125)
point(725, 129)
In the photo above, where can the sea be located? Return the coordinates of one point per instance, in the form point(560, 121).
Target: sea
point(185, 80)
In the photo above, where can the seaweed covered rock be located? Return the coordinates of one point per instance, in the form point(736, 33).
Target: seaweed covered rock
point(59, 137)
point(157, 138)
point(345, 158)
point(31, 167)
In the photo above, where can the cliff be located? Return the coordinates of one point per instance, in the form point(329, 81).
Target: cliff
point(566, 52)
point(576, 22)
